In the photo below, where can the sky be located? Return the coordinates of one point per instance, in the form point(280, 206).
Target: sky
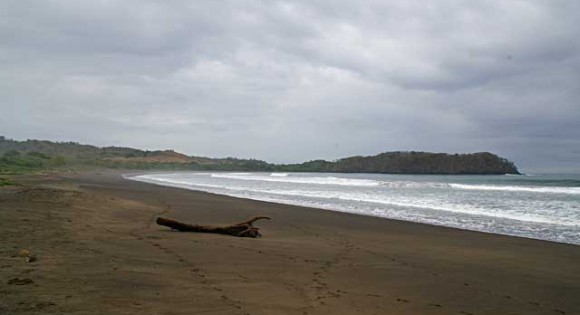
point(291, 81)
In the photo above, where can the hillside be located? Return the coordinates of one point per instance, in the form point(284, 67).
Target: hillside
point(21, 156)
point(483, 163)
point(31, 155)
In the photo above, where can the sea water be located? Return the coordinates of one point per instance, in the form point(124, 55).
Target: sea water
point(544, 207)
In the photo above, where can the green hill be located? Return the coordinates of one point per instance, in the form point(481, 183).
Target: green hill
point(413, 163)
point(30, 155)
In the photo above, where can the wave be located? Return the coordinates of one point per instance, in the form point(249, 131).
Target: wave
point(329, 180)
point(547, 190)
point(410, 184)
point(340, 181)
point(428, 204)
point(469, 210)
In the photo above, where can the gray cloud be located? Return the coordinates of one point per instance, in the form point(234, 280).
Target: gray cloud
point(292, 81)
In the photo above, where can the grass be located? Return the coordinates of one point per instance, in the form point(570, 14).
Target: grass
point(7, 182)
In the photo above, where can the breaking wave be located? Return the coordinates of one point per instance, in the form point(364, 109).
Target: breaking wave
point(547, 190)
point(329, 180)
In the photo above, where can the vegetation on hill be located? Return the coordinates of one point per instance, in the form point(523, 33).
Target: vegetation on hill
point(31, 155)
point(7, 182)
point(413, 163)
point(13, 161)
point(36, 155)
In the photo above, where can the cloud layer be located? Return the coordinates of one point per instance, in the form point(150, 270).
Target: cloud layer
point(291, 81)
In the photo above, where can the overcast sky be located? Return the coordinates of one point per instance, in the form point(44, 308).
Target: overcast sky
point(298, 80)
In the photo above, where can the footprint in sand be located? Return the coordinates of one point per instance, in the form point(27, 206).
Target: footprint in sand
point(20, 281)
point(43, 305)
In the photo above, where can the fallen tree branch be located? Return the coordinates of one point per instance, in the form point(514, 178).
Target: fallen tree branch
point(242, 229)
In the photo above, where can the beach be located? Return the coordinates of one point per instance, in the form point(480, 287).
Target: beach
point(97, 250)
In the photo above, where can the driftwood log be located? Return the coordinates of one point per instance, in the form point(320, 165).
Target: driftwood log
point(242, 229)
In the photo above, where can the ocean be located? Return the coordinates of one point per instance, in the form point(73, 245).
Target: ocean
point(545, 207)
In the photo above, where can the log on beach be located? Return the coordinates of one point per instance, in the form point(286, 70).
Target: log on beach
point(242, 229)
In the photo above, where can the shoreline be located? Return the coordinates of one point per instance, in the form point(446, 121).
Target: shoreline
point(98, 250)
point(335, 209)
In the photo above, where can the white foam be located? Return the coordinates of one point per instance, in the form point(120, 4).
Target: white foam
point(546, 190)
point(329, 180)
point(412, 185)
point(429, 204)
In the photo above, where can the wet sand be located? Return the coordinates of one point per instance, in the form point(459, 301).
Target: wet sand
point(98, 251)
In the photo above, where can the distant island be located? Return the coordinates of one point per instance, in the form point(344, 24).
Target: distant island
point(31, 155)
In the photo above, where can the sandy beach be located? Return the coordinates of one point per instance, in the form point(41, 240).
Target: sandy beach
point(97, 250)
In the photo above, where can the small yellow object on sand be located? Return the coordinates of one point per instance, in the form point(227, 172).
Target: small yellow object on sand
point(24, 252)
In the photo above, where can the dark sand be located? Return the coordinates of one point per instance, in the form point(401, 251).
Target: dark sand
point(99, 252)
